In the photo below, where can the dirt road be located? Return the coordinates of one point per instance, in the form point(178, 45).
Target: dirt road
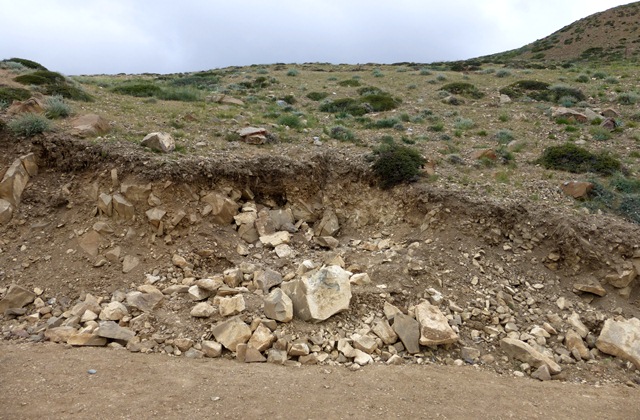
point(51, 381)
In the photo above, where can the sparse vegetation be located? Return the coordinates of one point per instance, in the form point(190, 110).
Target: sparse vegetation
point(56, 107)
point(464, 89)
point(317, 96)
point(9, 94)
point(395, 164)
point(571, 158)
point(28, 125)
point(341, 133)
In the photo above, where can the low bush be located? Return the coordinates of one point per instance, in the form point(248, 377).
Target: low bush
point(628, 98)
point(290, 120)
point(464, 89)
point(504, 136)
point(341, 133)
point(40, 77)
point(28, 63)
point(347, 105)
point(395, 164)
point(9, 94)
point(56, 107)
point(349, 83)
point(380, 102)
point(29, 125)
point(463, 123)
point(600, 133)
point(571, 158)
point(317, 96)
point(138, 89)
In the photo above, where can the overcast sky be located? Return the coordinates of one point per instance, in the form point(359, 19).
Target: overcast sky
point(167, 36)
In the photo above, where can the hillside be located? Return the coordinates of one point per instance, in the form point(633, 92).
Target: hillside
point(333, 215)
point(612, 35)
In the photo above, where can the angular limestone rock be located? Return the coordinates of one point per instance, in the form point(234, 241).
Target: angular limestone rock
point(211, 348)
point(16, 297)
point(434, 327)
point(122, 208)
point(105, 204)
point(113, 311)
point(262, 338)
point(623, 279)
point(523, 352)
point(231, 305)
point(275, 239)
point(329, 225)
point(232, 332)
point(145, 301)
point(320, 294)
point(408, 330)
point(111, 330)
point(621, 339)
point(89, 125)
point(202, 310)
point(159, 142)
point(267, 279)
point(221, 208)
point(382, 329)
point(14, 182)
point(278, 306)
point(86, 339)
point(6, 211)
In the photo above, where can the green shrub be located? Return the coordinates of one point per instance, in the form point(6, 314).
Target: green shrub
point(531, 88)
point(184, 94)
point(347, 105)
point(29, 125)
point(293, 73)
point(583, 78)
point(138, 89)
point(600, 75)
point(380, 102)
point(612, 80)
point(68, 91)
point(341, 133)
point(377, 73)
point(600, 133)
point(628, 98)
point(560, 90)
point(317, 96)
point(56, 107)
point(40, 77)
point(9, 94)
point(395, 164)
point(571, 158)
point(349, 83)
point(28, 63)
point(464, 89)
point(425, 72)
point(567, 101)
point(290, 120)
point(371, 90)
point(630, 207)
point(504, 136)
point(463, 123)
point(385, 123)
point(503, 73)
point(625, 185)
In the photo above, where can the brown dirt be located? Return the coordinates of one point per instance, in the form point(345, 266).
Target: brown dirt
point(469, 245)
point(51, 381)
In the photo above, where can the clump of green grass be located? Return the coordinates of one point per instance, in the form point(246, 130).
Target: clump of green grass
point(10, 94)
point(341, 133)
point(395, 164)
point(503, 73)
point(582, 78)
point(293, 73)
point(349, 83)
point(461, 123)
point(600, 133)
point(464, 89)
point(29, 125)
point(317, 96)
point(628, 98)
point(56, 107)
point(290, 120)
point(504, 136)
point(572, 158)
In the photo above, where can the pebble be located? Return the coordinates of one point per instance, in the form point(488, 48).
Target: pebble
point(92, 371)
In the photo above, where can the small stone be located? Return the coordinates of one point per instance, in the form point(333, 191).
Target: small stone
point(16, 297)
point(202, 310)
point(434, 326)
point(278, 357)
point(542, 373)
point(273, 240)
point(211, 348)
point(577, 190)
point(262, 338)
point(179, 261)
point(211, 284)
point(573, 341)
point(328, 242)
point(278, 306)
point(621, 339)
point(299, 349)
point(159, 142)
point(228, 306)
point(575, 322)
point(365, 343)
point(113, 311)
point(197, 293)
point(523, 352)
point(129, 263)
point(111, 330)
point(232, 332)
point(390, 311)
point(382, 329)
point(183, 344)
point(194, 354)
point(86, 339)
point(267, 279)
point(360, 279)
point(623, 279)
point(593, 288)
point(408, 330)
point(362, 358)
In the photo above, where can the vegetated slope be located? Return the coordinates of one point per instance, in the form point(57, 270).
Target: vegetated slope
point(611, 35)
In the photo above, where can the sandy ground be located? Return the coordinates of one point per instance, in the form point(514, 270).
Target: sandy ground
point(52, 381)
